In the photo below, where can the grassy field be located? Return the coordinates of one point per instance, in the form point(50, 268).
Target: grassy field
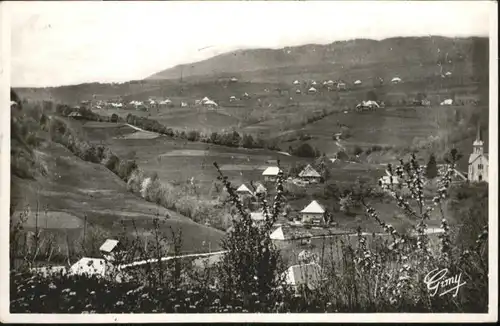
point(75, 190)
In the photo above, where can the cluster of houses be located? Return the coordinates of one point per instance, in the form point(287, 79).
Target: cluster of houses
point(331, 85)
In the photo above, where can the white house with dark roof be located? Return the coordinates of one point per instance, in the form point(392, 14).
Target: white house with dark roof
point(309, 174)
point(313, 212)
point(271, 173)
point(478, 161)
point(309, 275)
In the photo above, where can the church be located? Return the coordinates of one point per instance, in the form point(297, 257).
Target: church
point(478, 161)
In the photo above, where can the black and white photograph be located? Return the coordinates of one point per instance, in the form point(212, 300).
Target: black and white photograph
point(249, 161)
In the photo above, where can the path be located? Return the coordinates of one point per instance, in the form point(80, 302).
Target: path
point(155, 260)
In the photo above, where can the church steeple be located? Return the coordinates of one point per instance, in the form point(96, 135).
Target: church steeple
point(478, 143)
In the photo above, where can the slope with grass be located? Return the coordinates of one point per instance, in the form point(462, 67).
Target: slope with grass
point(74, 191)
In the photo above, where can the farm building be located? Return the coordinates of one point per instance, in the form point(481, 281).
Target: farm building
point(308, 275)
point(313, 212)
point(448, 74)
point(329, 83)
point(75, 115)
point(367, 105)
point(309, 174)
point(478, 161)
point(447, 102)
point(341, 86)
point(13, 104)
point(296, 82)
point(184, 105)
point(271, 173)
point(314, 83)
point(243, 190)
point(396, 80)
point(232, 99)
point(233, 79)
point(312, 90)
point(298, 91)
point(246, 96)
point(357, 82)
point(210, 104)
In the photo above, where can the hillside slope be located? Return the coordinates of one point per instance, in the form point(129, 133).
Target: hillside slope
point(334, 57)
point(75, 190)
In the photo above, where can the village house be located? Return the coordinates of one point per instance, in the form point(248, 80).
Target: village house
point(296, 82)
point(233, 80)
point(478, 161)
point(396, 80)
point(367, 105)
point(184, 105)
point(271, 173)
point(312, 90)
point(246, 96)
point(308, 275)
point(232, 99)
point(298, 91)
point(357, 82)
point(341, 86)
point(313, 213)
point(308, 174)
point(75, 115)
point(110, 249)
point(243, 190)
point(447, 102)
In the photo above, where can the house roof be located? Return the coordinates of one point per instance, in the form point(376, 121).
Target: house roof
point(396, 79)
point(313, 207)
point(90, 266)
point(307, 274)
point(210, 102)
point(271, 171)
point(260, 188)
point(309, 172)
point(357, 82)
point(243, 188)
point(109, 245)
point(312, 89)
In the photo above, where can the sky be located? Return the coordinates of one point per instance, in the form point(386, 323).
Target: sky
point(71, 42)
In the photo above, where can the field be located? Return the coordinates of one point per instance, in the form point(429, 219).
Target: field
point(75, 191)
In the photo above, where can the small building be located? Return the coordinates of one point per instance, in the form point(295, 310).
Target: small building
point(110, 248)
point(388, 180)
point(75, 115)
point(243, 190)
point(210, 104)
point(308, 275)
point(296, 82)
point(313, 213)
point(246, 96)
point(298, 91)
point(396, 80)
point(258, 218)
point(232, 99)
point(309, 174)
point(312, 90)
point(448, 74)
point(367, 105)
point(447, 102)
point(341, 86)
point(314, 83)
point(478, 161)
point(357, 82)
point(271, 173)
point(233, 80)
point(329, 83)
point(184, 105)
point(14, 105)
